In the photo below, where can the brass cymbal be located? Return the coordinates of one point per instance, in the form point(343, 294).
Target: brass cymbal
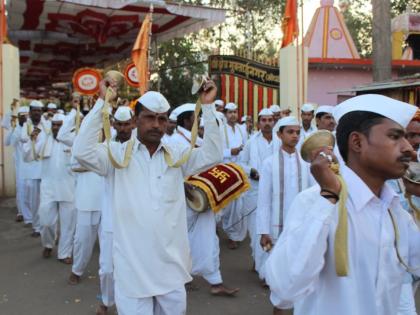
point(198, 83)
point(413, 173)
point(117, 76)
point(317, 140)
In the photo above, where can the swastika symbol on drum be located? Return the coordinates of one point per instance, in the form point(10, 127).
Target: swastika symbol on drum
point(219, 174)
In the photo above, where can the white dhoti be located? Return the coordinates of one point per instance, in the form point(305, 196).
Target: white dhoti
point(106, 267)
point(204, 245)
point(84, 239)
point(51, 212)
point(20, 201)
point(235, 220)
point(32, 191)
point(171, 303)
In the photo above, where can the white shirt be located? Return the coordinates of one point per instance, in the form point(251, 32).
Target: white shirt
point(183, 136)
point(151, 251)
point(232, 138)
point(12, 139)
point(301, 267)
point(57, 180)
point(33, 169)
point(269, 195)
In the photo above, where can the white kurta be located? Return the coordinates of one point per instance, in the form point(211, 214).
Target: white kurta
point(204, 243)
point(12, 139)
point(151, 254)
point(301, 267)
point(256, 150)
point(232, 138)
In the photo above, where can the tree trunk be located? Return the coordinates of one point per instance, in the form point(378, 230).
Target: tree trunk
point(381, 40)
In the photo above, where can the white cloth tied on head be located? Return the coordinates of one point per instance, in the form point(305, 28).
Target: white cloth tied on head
point(398, 111)
point(275, 108)
point(123, 113)
point(307, 108)
point(324, 109)
point(36, 104)
point(286, 121)
point(155, 102)
point(51, 106)
point(265, 112)
point(231, 106)
point(58, 117)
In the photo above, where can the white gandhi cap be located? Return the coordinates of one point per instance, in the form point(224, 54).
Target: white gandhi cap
point(36, 104)
point(286, 121)
point(123, 113)
point(58, 117)
point(398, 111)
point(231, 106)
point(23, 110)
point(219, 103)
point(324, 109)
point(307, 108)
point(275, 108)
point(265, 112)
point(52, 106)
point(155, 102)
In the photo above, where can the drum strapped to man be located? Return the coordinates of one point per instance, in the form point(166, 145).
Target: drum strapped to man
point(216, 187)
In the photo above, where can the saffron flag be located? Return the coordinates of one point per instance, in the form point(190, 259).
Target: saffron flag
point(140, 54)
point(289, 23)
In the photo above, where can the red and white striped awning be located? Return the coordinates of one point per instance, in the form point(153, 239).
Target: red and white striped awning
point(55, 37)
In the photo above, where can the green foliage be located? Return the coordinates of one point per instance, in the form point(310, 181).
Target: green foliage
point(178, 62)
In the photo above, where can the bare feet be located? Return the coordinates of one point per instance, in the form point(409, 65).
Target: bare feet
point(101, 310)
point(46, 253)
point(221, 290)
point(73, 279)
point(277, 311)
point(233, 244)
point(19, 218)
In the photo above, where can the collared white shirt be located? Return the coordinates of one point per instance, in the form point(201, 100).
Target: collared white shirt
point(33, 169)
point(232, 138)
point(57, 180)
point(301, 267)
point(151, 250)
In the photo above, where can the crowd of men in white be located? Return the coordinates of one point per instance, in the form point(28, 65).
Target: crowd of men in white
point(70, 191)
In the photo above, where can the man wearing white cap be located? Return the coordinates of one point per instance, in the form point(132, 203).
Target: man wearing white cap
point(276, 110)
point(151, 251)
point(348, 244)
point(31, 171)
point(283, 175)
point(220, 105)
point(57, 192)
point(285, 111)
point(247, 126)
point(324, 118)
point(204, 243)
point(233, 220)
point(256, 150)
point(307, 115)
point(51, 110)
point(12, 139)
point(124, 125)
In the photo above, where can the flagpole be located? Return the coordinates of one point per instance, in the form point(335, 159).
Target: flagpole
point(302, 59)
point(149, 48)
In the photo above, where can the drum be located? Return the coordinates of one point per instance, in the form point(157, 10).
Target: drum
point(196, 198)
point(216, 187)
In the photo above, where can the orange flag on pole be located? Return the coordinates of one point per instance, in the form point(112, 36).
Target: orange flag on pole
point(290, 23)
point(140, 54)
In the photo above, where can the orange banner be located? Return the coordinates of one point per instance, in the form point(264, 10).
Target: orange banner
point(140, 54)
point(290, 23)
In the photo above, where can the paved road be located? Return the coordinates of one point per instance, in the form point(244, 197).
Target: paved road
point(32, 285)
